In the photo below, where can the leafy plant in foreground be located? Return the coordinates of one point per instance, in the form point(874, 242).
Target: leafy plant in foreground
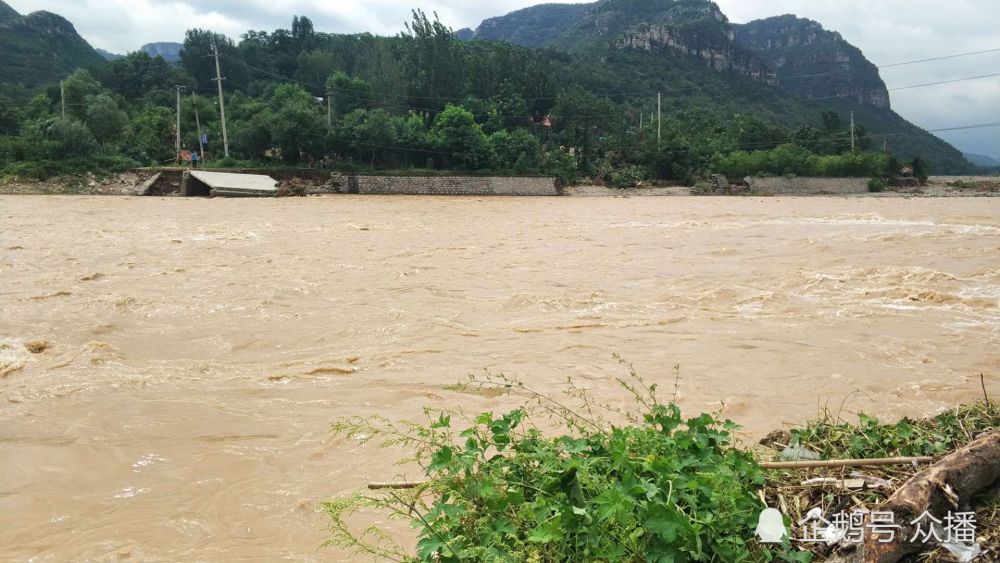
point(658, 488)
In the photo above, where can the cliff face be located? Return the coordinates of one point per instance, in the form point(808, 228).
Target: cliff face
point(773, 51)
point(171, 52)
point(696, 29)
point(711, 44)
point(812, 62)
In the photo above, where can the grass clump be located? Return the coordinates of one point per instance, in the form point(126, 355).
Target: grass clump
point(655, 488)
point(871, 438)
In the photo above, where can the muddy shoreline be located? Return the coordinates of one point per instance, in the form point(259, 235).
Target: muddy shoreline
point(128, 184)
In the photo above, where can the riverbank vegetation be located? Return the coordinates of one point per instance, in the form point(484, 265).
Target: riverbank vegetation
point(633, 484)
point(423, 99)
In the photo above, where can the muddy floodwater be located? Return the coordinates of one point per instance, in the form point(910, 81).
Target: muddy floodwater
point(169, 368)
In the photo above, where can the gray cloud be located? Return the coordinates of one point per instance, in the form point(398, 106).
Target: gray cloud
point(888, 31)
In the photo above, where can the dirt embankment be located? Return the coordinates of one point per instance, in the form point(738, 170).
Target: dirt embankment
point(125, 183)
point(128, 183)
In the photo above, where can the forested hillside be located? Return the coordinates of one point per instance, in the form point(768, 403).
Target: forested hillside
point(425, 99)
point(39, 48)
point(796, 56)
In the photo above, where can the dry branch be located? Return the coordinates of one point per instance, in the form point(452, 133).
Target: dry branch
point(845, 462)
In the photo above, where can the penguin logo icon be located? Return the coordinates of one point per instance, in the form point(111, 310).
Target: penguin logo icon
point(771, 527)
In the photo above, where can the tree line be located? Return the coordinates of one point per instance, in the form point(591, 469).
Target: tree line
point(420, 100)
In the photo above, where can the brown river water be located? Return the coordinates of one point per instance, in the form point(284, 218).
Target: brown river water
point(199, 349)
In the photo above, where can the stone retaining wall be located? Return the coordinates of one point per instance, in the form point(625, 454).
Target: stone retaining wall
point(449, 185)
point(806, 186)
point(169, 182)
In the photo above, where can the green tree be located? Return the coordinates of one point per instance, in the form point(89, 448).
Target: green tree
point(414, 138)
point(752, 133)
point(104, 118)
point(10, 116)
point(71, 138)
point(461, 139)
point(374, 134)
point(198, 60)
point(518, 151)
point(581, 118)
point(78, 87)
point(136, 74)
point(920, 171)
point(297, 128)
point(152, 138)
point(349, 93)
point(432, 60)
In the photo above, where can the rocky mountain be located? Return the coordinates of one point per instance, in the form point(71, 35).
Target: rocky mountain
point(796, 54)
point(812, 62)
point(807, 68)
point(171, 52)
point(696, 29)
point(536, 26)
point(40, 47)
point(7, 13)
point(699, 30)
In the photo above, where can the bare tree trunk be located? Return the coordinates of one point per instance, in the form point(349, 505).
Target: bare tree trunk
point(947, 486)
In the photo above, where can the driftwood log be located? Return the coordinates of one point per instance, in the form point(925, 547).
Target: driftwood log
point(947, 486)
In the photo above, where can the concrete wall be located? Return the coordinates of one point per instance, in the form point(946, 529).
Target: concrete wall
point(449, 185)
point(169, 183)
point(806, 186)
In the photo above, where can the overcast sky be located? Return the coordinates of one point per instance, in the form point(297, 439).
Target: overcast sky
point(888, 31)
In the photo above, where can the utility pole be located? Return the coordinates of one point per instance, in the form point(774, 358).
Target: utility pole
point(852, 131)
point(222, 101)
point(329, 107)
point(197, 122)
point(177, 143)
point(640, 120)
point(659, 115)
point(62, 96)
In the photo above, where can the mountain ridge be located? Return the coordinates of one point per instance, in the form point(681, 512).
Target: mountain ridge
point(795, 56)
point(813, 62)
point(41, 47)
point(7, 12)
point(982, 160)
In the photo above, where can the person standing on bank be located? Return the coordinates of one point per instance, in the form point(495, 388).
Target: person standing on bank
point(194, 159)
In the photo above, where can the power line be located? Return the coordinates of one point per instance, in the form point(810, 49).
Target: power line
point(940, 58)
point(980, 126)
point(944, 82)
point(836, 72)
point(618, 94)
point(379, 96)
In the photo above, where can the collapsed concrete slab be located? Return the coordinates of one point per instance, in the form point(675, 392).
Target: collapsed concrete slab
point(146, 187)
point(226, 184)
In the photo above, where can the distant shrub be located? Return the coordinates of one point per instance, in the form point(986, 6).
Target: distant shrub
point(562, 165)
point(48, 168)
point(628, 176)
point(793, 160)
point(876, 185)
